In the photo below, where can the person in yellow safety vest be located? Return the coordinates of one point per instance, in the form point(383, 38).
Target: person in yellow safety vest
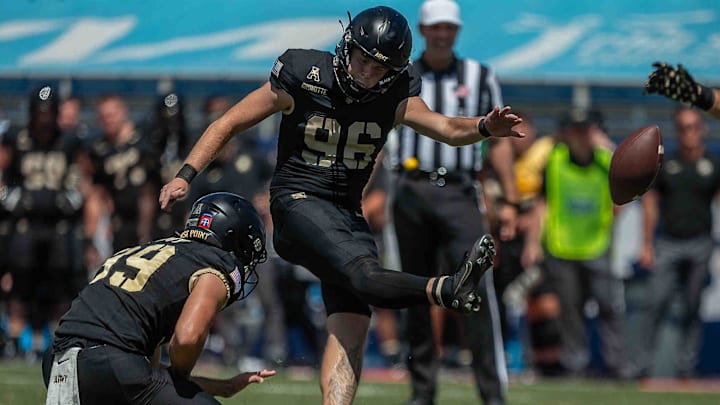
point(572, 227)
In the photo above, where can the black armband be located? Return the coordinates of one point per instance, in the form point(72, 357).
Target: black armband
point(706, 98)
point(186, 173)
point(483, 129)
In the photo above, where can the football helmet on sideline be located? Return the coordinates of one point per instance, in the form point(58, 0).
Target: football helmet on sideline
point(43, 108)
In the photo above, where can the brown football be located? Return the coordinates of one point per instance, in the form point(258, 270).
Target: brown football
point(635, 164)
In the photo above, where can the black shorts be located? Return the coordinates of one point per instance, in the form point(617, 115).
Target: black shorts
point(107, 375)
point(323, 237)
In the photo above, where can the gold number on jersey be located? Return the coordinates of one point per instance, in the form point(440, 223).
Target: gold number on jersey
point(43, 170)
point(146, 261)
point(357, 155)
point(322, 138)
point(120, 164)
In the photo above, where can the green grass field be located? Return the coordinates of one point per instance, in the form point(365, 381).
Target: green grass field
point(22, 384)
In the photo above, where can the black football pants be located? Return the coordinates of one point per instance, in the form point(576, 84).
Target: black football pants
point(335, 243)
point(108, 376)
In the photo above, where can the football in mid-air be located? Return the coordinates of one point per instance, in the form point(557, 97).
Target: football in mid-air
point(635, 164)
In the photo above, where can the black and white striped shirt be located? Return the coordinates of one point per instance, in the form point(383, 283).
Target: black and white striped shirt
point(467, 88)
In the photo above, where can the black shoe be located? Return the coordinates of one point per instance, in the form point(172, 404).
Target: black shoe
point(465, 281)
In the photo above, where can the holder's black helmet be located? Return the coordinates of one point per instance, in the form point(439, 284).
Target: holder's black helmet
point(229, 222)
point(384, 35)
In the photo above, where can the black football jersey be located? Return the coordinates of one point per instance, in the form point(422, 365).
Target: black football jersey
point(124, 169)
point(136, 298)
point(327, 145)
point(687, 187)
point(45, 171)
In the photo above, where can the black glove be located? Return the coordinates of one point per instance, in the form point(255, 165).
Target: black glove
point(678, 84)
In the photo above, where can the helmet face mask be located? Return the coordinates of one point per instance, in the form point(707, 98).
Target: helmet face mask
point(229, 222)
point(382, 34)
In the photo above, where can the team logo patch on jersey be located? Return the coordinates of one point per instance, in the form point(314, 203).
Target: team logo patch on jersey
point(277, 67)
point(205, 221)
point(314, 74)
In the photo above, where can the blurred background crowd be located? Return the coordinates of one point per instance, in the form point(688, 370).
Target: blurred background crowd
point(108, 156)
point(81, 169)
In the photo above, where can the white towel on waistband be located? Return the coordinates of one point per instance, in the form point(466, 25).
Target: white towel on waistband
point(63, 384)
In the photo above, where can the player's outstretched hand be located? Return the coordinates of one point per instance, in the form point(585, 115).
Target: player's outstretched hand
point(499, 122)
point(175, 190)
point(242, 380)
point(674, 83)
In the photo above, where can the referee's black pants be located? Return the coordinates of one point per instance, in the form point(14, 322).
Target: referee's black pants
point(435, 226)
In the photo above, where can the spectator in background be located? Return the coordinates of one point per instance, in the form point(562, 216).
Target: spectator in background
point(41, 170)
point(69, 117)
point(168, 133)
point(125, 174)
point(240, 166)
point(436, 209)
point(169, 138)
point(514, 279)
point(374, 207)
point(574, 218)
point(5, 229)
point(678, 208)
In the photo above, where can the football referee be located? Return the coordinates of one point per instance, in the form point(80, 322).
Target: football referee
point(436, 209)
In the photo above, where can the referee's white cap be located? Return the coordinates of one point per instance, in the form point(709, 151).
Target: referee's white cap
point(440, 11)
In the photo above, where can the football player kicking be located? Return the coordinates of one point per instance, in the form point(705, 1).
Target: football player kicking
point(337, 111)
point(106, 347)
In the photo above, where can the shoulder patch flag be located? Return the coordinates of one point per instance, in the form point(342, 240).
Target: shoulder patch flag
point(277, 67)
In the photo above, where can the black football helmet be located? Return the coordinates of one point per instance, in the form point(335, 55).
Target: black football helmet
point(170, 131)
point(232, 223)
point(44, 107)
point(44, 98)
point(384, 35)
